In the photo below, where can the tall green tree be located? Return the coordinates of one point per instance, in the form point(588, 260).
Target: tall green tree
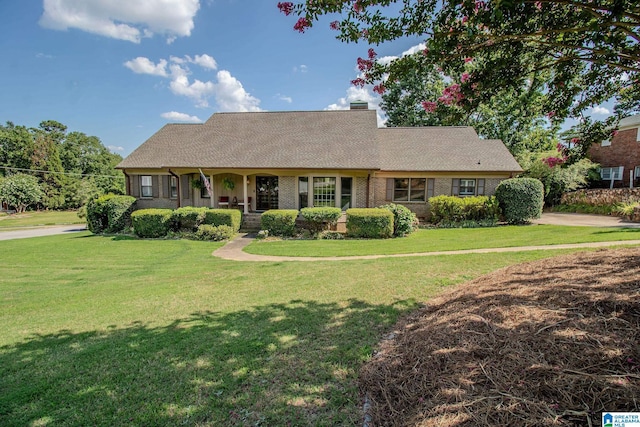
point(16, 147)
point(513, 115)
point(589, 48)
point(20, 191)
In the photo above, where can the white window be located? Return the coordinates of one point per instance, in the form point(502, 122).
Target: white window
point(324, 192)
point(606, 143)
point(638, 134)
point(611, 173)
point(146, 186)
point(409, 189)
point(467, 187)
point(636, 173)
point(173, 187)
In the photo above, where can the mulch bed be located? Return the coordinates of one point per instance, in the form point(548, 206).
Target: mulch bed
point(548, 343)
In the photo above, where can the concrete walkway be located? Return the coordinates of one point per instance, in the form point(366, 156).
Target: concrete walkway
point(234, 249)
point(41, 231)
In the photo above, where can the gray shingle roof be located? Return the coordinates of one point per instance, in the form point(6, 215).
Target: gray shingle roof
point(312, 139)
point(441, 149)
point(317, 140)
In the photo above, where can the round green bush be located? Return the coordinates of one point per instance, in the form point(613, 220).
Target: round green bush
point(214, 232)
point(151, 222)
point(319, 219)
point(521, 199)
point(404, 221)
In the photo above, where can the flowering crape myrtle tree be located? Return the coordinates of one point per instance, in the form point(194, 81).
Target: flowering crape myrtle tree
point(589, 49)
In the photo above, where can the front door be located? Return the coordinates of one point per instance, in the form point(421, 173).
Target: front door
point(266, 193)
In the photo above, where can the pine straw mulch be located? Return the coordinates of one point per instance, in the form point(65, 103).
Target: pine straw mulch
point(552, 342)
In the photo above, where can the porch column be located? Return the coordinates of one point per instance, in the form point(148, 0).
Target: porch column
point(211, 197)
point(246, 198)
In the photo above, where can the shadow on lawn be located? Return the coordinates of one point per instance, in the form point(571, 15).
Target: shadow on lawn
point(279, 364)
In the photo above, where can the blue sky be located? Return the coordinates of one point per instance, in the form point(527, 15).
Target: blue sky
point(120, 70)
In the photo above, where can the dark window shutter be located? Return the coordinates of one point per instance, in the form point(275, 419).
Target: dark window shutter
point(480, 187)
point(155, 188)
point(390, 184)
point(135, 186)
point(184, 183)
point(431, 184)
point(165, 186)
point(455, 187)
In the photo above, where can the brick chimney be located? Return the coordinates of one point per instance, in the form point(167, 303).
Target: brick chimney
point(359, 105)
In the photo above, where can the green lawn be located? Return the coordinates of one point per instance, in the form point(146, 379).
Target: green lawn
point(429, 240)
point(39, 218)
point(118, 331)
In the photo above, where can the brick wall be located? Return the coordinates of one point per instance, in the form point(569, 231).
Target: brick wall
point(361, 192)
point(623, 151)
point(600, 196)
point(287, 192)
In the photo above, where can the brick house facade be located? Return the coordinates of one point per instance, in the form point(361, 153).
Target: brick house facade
point(292, 160)
point(619, 158)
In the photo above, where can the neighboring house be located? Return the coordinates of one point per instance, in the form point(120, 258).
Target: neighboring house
point(619, 157)
point(291, 160)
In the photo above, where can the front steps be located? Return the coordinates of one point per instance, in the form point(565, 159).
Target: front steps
point(250, 222)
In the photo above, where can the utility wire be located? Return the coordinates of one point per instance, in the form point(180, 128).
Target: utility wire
point(59, 173)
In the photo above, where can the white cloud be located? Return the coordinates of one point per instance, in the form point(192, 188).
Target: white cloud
point(386, 60)
point(227, 91)
point(301, 68)
point(114, 148)
point(231, 96)
point(361, 94)
point(44, 55)
point(142, 65)
point(180, 117)
point(205, 61)
point(600, 110)
point(129, 20)
point(284, 98)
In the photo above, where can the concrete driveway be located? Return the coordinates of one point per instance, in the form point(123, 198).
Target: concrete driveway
point(41, 231)
point(584, 220)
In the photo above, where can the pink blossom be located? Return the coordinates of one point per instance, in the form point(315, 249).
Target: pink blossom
point(553, 161)
point(465, 19)
point(575, 140)
point(359, 82)
point(479, 4)
point(467, 60)
point(371, 53)
point(364, 64)
point(379, 89)
point(285, 7)
point(357, 7)
point(302, 24)
point(465, 77)
point(425, 52)
point(335, 25)
point(429, 107)
point(551, 114)
point(614, 133)
point(538, 5)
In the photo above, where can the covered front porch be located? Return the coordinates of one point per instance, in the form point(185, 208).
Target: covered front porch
point(247, 192)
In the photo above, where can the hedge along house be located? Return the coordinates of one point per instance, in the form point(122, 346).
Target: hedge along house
point(291, 160)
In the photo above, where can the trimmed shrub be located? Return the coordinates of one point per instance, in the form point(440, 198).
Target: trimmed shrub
point(279, 222)
point(187, 218)
point(214, 232)
point(230, 217)
point(404, 221)
point(151, 222)
point(320, 219)
point(370, 223)
point(109, 213)
point(331, 235)
point(521, 199)
point(453, 209)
